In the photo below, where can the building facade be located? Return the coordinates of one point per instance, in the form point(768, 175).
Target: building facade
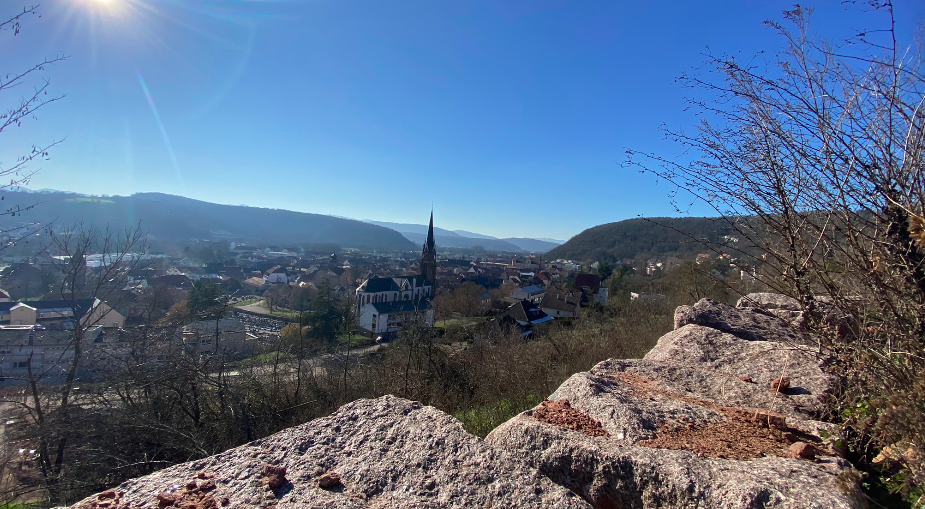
point(390, 304)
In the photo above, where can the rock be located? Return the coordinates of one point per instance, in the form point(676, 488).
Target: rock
point(274, 476)
point(749, 366)
point(751, 324)
point(329, 480)
point(802, 450)
point(781, 384)
point(769, 302)
point(693, 425)
point(388, 452)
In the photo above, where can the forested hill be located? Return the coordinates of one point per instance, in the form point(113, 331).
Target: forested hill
point(175, 218)
point(642, 238)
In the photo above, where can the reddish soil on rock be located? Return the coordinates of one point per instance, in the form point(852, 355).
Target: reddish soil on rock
point(194, 495)
point(735, 438)
point(744, 434)
point(561, 413)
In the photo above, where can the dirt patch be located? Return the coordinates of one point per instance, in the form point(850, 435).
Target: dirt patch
point(196, 494)
point(735, 438)
point(561, 413)
point(744, 434)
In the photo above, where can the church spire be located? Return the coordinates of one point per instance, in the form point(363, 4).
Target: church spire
point(429, 245)
point(429, 254)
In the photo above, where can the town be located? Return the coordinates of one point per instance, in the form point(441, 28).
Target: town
point(241, 306)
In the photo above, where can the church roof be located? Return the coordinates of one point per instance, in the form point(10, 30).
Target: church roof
point(390, 284)
point(401, 306)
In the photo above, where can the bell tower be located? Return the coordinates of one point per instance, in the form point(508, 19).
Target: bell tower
point(429, 254)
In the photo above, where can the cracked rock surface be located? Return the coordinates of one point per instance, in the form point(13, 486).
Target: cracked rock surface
point(695, 424)
point(385, 452)
point(704, 420)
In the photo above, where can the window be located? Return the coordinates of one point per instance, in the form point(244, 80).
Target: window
point(21, 364)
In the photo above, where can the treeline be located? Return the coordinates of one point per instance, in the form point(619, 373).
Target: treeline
point(643, 238)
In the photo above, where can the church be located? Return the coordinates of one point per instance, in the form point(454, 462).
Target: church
point(390, 304)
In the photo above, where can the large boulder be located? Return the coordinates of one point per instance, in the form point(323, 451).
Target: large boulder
point(704, 420)
point(752, 324)
point(386, 452)
point(745, 370)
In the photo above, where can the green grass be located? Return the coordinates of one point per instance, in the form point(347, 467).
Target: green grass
point(246, 302)
point(458, 322)
point(261, 359)
point(481, 420)
point(358, 340)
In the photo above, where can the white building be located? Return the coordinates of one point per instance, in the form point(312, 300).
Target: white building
point(277, 275)
point(390, 304)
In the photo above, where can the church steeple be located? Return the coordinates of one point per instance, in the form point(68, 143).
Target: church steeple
point(429, 245)
point(429, 254)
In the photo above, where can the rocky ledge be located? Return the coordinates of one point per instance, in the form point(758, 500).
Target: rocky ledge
point(721, 413)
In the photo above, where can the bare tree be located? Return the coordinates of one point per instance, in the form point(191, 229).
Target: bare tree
point(24, 92)
point(95, 265)
point(815, 160)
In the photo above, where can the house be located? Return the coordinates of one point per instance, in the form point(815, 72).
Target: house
point(277, 274)
point(531, 293)
point(61, 313)
point(46, 353)
point(522, 315)
point(255, 285)
point(591, 285)
point(559, 303)
point(208, 337)
point(177, 281)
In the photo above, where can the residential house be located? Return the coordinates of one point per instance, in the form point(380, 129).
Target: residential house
point(61, 313)
point(277, 274)
point(208, 337)
point(591, 285)
point(559, 303)
point(176, 281)
point(531, 293)
point(523, 315)
point(46, 353)
point(255, 285)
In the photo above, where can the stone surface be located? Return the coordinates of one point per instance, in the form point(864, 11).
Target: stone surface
point(769, 301)
point(743, 371)
point(704, 420)
point(694, 423)
point(387, 452)
point(752, 324)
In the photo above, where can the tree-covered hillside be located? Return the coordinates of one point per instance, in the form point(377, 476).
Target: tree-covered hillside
point(635, 238)
point(168, 217)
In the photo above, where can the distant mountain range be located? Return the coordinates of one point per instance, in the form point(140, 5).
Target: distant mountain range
point(634, 238)
point(465, 239)
point(174, 218)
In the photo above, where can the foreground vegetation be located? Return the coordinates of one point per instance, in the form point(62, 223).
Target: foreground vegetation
point(142, 416)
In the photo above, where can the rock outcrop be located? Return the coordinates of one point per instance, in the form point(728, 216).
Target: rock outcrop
point(704, 420)
point(386, 452)
point(722, 413)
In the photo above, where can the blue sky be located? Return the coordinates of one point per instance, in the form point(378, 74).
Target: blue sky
point(510, 117)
